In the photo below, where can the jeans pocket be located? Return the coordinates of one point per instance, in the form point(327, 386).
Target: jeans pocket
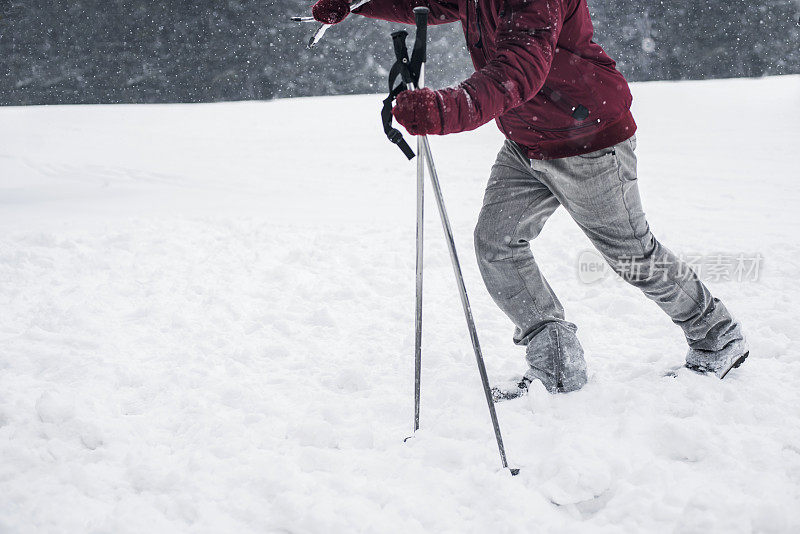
point(627, 158)
point(603, 162)
point(598, 154)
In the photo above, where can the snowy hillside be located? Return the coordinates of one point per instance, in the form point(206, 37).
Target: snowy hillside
point(206, 325)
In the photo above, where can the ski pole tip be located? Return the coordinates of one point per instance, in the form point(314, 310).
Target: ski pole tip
point(514, 471)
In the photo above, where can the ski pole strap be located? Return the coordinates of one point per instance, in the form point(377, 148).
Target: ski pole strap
point(392, 133)
point(400, 68)
point(408, 70)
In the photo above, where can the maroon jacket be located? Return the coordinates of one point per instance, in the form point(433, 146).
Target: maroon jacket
point(538, 73)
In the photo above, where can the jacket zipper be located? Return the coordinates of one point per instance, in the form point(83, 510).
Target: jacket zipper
point(479, 44)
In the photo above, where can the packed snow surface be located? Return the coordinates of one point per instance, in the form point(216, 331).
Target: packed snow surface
point(206, 325)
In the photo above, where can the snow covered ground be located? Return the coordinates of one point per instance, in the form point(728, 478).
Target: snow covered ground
point(206, 325)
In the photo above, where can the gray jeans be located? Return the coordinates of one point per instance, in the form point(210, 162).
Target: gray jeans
point(599, 190)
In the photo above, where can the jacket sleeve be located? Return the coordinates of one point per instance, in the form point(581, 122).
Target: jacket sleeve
point(402, 11)
point(526, 42)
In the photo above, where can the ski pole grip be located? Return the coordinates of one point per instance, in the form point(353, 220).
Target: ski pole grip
point(421, 41)
point(400, 49)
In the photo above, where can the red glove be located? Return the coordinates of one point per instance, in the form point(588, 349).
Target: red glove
point(330, 11)
point(420, 111)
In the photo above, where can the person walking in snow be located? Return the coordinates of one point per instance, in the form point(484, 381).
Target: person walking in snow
point(565, 112)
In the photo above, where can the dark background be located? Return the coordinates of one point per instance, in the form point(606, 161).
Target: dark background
point(109, 51)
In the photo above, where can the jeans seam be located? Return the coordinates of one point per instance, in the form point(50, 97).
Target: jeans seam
point(624, 203)
point(514, 259)
point(679, 283)
point(633, 231)
point(557, 358)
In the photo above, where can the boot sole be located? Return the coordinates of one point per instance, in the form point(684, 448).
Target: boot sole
point(739, 361)
point(703, 371)
point(500, 394)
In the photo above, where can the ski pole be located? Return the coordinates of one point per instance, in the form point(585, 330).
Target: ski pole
point(426, 155)
point(419, 54)
point(418, 265)
point(424, 152)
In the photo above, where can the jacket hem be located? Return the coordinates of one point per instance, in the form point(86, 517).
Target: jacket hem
point(615, 132)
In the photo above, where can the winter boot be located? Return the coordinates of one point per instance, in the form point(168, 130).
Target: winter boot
point(555, 357)
point(514, 388)
point(719, 362)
